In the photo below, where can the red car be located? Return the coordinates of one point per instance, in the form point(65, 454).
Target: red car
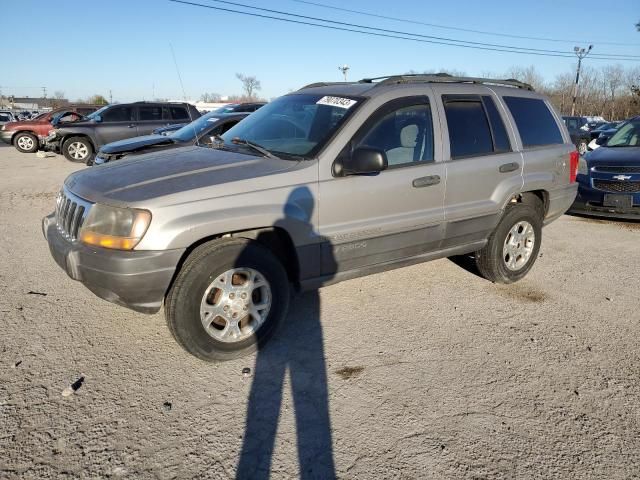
point(28, 135)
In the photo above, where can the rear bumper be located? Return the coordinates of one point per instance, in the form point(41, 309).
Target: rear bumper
point(134, 279)
point(560, 200)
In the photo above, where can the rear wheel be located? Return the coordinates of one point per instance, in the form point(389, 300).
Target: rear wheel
point(227, 300)
point(77, 149)
point(26, 142)
point(513, 247)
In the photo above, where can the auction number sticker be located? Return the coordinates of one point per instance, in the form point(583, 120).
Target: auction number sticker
point(213, 119)
point(337, 102)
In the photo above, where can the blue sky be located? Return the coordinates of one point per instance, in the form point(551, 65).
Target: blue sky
point(84, 47)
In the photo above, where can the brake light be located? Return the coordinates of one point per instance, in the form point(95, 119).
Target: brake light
point(574, 158)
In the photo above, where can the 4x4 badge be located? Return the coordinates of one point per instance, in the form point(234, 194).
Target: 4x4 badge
point(622, 177)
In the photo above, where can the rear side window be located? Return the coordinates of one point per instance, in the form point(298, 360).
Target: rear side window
point(534, 120)
point(500, 138)
point(469, 131)
point(118, 114)
point(179, 113)
point(150, 113)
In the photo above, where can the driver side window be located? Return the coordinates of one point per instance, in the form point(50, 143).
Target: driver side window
point(405, 134)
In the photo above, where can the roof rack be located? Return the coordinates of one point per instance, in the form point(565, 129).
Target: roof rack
point(444, 78)
point(426, 78)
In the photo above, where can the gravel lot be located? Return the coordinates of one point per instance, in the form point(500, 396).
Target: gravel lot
point(431, 372)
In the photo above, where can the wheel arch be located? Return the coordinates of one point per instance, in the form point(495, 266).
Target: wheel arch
point(18, 132)
point(276, 239)
point(533, 197)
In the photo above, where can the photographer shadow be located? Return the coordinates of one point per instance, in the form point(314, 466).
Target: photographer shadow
point(297, 348)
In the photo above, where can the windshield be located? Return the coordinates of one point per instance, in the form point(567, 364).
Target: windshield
point(225, 109)
point(294, 125)
point(189, 131)
point(628, 135)
point(93, 115)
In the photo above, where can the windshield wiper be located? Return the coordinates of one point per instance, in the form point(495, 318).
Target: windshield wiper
point(255, 146)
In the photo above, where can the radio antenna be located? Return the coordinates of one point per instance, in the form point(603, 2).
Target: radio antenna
point(184, 95)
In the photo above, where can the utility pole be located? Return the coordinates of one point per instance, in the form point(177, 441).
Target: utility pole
point(580, 53)
point(344, 69)
point(110, 97)
point(44, 95)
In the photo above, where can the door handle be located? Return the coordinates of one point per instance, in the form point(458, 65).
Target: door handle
point(132, 125)
point(426, 181)
point(509, 167)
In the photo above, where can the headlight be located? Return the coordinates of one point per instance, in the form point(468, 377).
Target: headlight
point(112, 227)
point(583, 168)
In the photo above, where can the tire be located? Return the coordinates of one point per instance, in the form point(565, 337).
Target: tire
point(499, 264)
point(208, 335)
point(26, 142)
point(582, 147)
point(77, 149)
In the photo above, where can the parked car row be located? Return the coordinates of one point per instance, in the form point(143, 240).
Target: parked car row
point(221, 232)
point(29, 135)
point(609, 177)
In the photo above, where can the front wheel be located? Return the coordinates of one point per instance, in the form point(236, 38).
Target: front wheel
point(26, 142)
point(77, 149)
point(227, 300)
point(513, 247)
point(582, 147)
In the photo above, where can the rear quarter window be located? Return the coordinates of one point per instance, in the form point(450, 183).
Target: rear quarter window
point(536, 124)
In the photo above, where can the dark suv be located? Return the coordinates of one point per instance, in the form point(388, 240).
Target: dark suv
point(78, 141)
point(579, 130)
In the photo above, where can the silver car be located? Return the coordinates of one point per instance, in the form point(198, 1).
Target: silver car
point(331, 182)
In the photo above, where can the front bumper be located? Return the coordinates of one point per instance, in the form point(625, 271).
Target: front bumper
point(134, 279)
point(6, 136)
point(590, 201)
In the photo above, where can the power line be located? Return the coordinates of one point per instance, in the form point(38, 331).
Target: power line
point(447, 27)
point(397, 32)
point(402, 35)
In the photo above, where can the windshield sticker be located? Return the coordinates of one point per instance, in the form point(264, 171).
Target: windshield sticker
point(213, 119)
point(337, 102)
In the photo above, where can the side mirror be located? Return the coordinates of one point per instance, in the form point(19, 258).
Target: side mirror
point(602, 140)
point(363, 160)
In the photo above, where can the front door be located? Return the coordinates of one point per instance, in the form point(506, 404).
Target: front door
point(397, 213)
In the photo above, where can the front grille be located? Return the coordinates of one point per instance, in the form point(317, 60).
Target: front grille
point(621, 169)
point(615, 186)
point(70, 214)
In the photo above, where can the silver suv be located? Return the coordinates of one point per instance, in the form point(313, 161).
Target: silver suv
point(332, 182)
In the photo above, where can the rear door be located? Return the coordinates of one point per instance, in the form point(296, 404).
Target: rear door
point(118, 123)
point(149, 118)
point(482, 168)
point(393, 215)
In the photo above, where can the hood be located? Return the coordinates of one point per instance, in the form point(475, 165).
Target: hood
point(614, 156)
point(28, 123)
point(165, 174)
point(135, 143)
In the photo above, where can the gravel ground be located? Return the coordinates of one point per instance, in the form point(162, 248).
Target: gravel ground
point(422, 372)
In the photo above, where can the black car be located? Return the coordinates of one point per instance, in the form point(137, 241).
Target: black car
point(579, 131)
point(199, 131)
point(604, 127)
point(609, 177)
point(78, 141)
point(240, 107)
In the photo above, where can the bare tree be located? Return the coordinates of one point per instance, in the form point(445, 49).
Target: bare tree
point(614, 75)
point(210, 97)
point(527, 75)
point(58, 95)
point(250, 84)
